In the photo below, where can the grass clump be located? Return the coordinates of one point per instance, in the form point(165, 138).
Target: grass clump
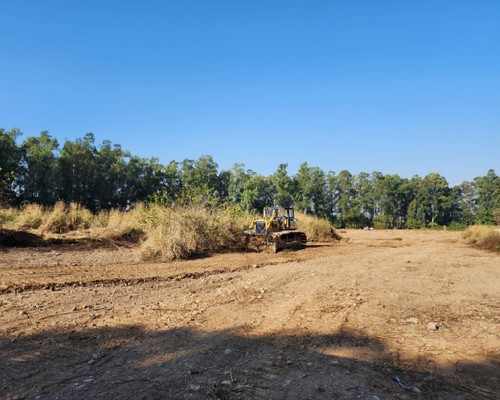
point(122, 225)
point(316, 229)
point(485, 237)
point(62, 218)
point(31, 216)
point(181, 232)
point(7, 216)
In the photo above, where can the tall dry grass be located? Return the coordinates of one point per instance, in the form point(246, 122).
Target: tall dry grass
point(31, 216)
point(164, 233)
point(62, 218)
point(485, 237)
point(181, 232)
point(119, 225)
point(8, 217)
point(316, 229)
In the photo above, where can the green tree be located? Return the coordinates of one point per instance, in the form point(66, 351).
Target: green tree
point(111, 176)
point(344, 201)
point(257, 192)
point(40, 184)
point(200, 179)
point(11, 169)
point(282, 187)
point(364, 187)
point(310, 189)
point(78, 171)
point(488, 197)
point(433, 202)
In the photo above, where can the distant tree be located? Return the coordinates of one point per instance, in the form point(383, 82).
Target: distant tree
point(310, 190)
point(345, 205)
point(433, 202)
point(257, 193)
point(11, 169)
point(488, 197)
point(41, 181)
point(282, 187)
point(365, 190)
point(78, 172)
point(236, 183)
point(111, 176)
point(467, 203)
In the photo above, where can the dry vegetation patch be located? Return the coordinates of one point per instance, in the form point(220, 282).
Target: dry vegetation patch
point(485, 237)
point(164, 233)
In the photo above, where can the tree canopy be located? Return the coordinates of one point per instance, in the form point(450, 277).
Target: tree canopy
point(104, 176)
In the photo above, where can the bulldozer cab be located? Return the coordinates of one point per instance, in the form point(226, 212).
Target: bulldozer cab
point(282, 216)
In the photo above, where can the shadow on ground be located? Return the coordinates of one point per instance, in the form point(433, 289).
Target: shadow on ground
point(131, 363)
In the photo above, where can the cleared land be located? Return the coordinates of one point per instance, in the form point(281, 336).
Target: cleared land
point(381, 314)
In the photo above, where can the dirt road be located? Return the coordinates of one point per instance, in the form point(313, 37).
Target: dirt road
point(380, 315)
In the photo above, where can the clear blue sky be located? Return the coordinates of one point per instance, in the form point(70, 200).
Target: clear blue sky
point(407, 87)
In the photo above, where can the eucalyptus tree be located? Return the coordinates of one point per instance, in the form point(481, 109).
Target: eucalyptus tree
point(11, 168)
point(282, 187)
point(488, 197)
point(41, 180)
point(310, 190)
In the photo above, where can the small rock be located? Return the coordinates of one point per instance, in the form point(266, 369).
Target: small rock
point(432, 326)
point(226, 382)
point(416, 389)
point(91, 361)
point(228, 351)
point(412, 320)
point(193, 387)
point(255, 266)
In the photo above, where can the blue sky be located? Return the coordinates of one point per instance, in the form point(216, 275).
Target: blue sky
point(407, 87)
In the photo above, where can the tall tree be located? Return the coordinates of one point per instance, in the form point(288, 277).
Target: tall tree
point(257, 192)
point(78, 169)
point(41, 182)
point(488, 196)
point(282, 187)
point(11, 169)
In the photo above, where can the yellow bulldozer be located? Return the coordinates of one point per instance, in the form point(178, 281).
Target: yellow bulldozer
point(278, 228)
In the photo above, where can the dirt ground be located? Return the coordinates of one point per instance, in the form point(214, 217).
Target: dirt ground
point(379, 315)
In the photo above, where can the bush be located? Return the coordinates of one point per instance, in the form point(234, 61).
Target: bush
point(181, 232)
point(496, 215)
point(482, 236)
point(123, 225)
point(30, 217)
point(316, 229)
point(457, 226)
point(433, 225)
point(7, 215)
point(63, 219)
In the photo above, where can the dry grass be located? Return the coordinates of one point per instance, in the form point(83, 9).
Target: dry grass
point(31, 216)
point(173, 233)
point(8, 217)
point(485, 237)
point(316, 229)
point(62, 218)
point(165, 233)
point(121, 225)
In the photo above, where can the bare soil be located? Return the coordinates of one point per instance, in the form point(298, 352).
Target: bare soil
point(379, 315)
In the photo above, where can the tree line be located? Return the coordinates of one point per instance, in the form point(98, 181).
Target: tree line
point(104, 176)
